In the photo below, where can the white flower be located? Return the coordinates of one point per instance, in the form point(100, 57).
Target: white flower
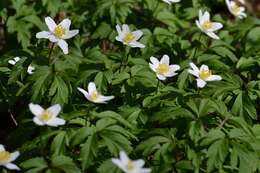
point(48, 116)
point(171, 1)
point(6, 158)
point(93, 95)
point(235, 9)
point(130, 166)
point(30, 69)
point(162, 67)
point(129, 38)
point(14, 60)
point(206, 26)
point(58, 33)
point(203, 75)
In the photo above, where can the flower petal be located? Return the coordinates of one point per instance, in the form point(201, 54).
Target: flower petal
point(64, 46)
point(118, 29)
point(155, 61)
point(50, 23)
point(125, 28)
point(204, 68)
point(136, 44)
point(11, 166)
point(153, 67)
point(37, 121)
point(214, 78)
point(201, 83)
point(194, 73)
point(91, 88)
point(198, 25)
point(138, 34)
point(118, 163)
point(165, 60)
point(53, 39)
point(43, 34)
point(65, 23)
point(215, 26)
point(70, 34)
point(14, 155)
point(205, 17)
point(2, 148)
point(123, 157)
point(194, 68)
point(139, 163)
point(160, 77)
point(36, 109)
point(55, 110)
point(56, 122)
point(212, 35)
point(104, 99)
point(12, 62)
point(146, 170)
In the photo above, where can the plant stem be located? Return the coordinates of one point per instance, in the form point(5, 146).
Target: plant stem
point(49, 56)
point(157, 87)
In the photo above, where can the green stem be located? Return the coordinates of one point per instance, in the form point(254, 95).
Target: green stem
point(157, 87)
point(51, 50)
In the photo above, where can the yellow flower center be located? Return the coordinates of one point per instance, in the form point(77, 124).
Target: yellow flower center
point(207, 25)
point(163, 69)
point(59, 31)
point(94, 95)
point(235, 8)
point(129, 37)
point(4, 156)
point(130, 165)
point(46, 116)
point(204, 74)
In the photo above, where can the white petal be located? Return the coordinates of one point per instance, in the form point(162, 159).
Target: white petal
point(139, 163)
point(155, 61)
point(194, 73)
point(200, 15)
point(138, 34)
point(30, 69)
point(36, 109)
point(118, 29)
point(104, 99)
point(153, 67)
point(201, 83)
point(165, 60)
point(14, 155)
point(194, 68)
point(50, 23)
point(175, 67)
point(214, 78)
point(84, 92)
point(123, 157)
point(91, 88)
point(2, 148)
point(118, 163)
point(43, 34)
point(125, 28)
point(65, 24)
point(70, 34)
point(56, 122)
point(161, 77)
point(11, 166)
point(17, 59)
point(38, 122)
point(12, 62)
point(53, 39)
point(215, 26)
point(172, 70)
point(198, 25)
point(146, 170)
point(64, 46)
point(204, 68)
point(212, 35)
point(136, 44)
point(205, 17)
point(55, 110)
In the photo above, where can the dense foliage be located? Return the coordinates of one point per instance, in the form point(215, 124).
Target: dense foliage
point(172, 124)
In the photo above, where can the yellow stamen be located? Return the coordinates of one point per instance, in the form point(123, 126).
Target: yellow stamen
point(46, 116)
point(205, 74)
point(94, 95)
point(4, 156)
point(207, 25)
point(163, 69)
point(235, 8)
point(130, 165)
point(59, 31)
point(129, 37)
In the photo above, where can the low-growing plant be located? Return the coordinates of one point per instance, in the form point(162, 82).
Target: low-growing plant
point(88, 85)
